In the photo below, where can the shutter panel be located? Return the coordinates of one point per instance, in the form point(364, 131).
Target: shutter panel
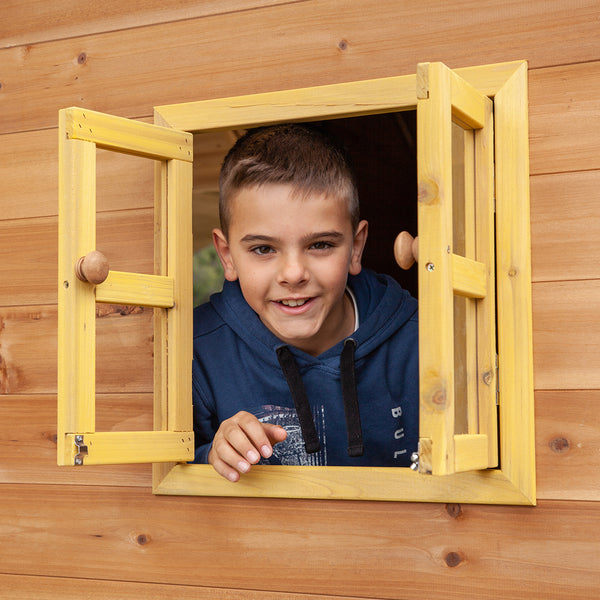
point(81, 132)
point(457, 346)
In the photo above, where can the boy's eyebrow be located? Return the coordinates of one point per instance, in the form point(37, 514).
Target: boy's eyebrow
point(253, 238)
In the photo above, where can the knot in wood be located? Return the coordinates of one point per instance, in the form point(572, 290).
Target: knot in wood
point(82, 58)
point(454, 510)
point(143, 539)
point(429, 192)
point(453, 559)
point(343, 45)
point(439, 398)
point(560, 445)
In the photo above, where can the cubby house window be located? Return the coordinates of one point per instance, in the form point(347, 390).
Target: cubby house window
point(476, 382)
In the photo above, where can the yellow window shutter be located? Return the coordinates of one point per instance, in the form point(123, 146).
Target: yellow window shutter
point(457, 345)
point(85, 279)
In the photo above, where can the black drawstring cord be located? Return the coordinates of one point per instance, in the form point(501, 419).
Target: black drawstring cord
point(298, 391)
point(351, 410)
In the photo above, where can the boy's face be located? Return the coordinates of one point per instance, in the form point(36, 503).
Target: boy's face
point(292, 256)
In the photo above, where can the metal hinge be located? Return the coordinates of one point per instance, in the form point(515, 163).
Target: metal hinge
point(82, 450)
point(497, 383)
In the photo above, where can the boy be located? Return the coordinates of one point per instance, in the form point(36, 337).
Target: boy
point(304, 358)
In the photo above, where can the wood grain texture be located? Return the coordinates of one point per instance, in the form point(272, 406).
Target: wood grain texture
point(40, 21)
point(28, 356)
point(27, 587)
point(565, 226)
point(303, 547)
point(101, 532)
point(566, 335)
point(563, 114)
point(567, 434)
point(28, 440)
point(128, 72)
point(28, 253)
point(124, 182)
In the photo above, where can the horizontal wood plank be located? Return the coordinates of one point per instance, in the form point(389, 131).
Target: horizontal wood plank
point(301, 45)
point(27, 587)
point(567, 426)
point(566, 335)
point(28, 440)
point(123, 181)
point(564, 123)
point(567, 430)
point(35, 21)
point(124, 349)
point(131, 535)
point(565, 226)
point(29, 253)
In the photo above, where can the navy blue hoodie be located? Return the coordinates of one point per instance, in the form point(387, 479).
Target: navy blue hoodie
point(240, 365)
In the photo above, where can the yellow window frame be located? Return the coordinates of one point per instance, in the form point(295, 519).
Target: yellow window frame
point(443, 97)
point(467, 480)
point(81, 132)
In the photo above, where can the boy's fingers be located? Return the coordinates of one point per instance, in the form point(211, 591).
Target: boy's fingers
point(222, 468)
point(256, 433)
point(275, 433)
point(240, 442)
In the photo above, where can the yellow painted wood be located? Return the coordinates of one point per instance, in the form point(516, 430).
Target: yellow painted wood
point(137, 289)
point(440, 409)
point(76, 304)
point(469, 277)
point(362, 483)
point(116, 447)
point(179, 320)
point(353, 98)
point(319, 102)
point(513, 281)
point(160, 470)
point(471, 452)
point(470, 173)
point(465, 311)
point(198, 479)
point(468, 104)
point(486, 419)
point(436, 322)
point(77, 300)
point(126, 135)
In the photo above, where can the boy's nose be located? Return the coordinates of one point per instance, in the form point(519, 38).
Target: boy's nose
point(293, 271)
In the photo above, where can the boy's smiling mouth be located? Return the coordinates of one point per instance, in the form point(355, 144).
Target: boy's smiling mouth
point(294, 302)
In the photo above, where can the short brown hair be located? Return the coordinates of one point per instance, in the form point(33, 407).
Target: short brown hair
point(298, 155)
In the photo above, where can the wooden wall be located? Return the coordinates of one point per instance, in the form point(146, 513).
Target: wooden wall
point(99, 532)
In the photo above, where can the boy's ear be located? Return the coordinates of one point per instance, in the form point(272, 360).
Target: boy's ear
point(358, 245)
point(222, 247)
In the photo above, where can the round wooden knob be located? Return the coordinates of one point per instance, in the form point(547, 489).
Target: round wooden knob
point(92, 267)
point(406, 250)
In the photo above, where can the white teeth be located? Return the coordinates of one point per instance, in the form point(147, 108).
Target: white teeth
point(293, 302)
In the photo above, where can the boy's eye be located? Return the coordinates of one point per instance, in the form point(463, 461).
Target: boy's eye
point(321, 245)
point(262, 250)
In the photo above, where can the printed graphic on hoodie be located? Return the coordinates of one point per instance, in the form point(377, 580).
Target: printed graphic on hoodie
point(291, 451)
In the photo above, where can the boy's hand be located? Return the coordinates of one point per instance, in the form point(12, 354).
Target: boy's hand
point(240, 442)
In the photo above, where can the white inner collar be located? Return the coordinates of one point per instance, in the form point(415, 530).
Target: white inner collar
point(355, 305)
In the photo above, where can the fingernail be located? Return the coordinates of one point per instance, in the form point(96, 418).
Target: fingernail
point(233, 477)
point(243, 466)
point(253, 456)
point(266, 451)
